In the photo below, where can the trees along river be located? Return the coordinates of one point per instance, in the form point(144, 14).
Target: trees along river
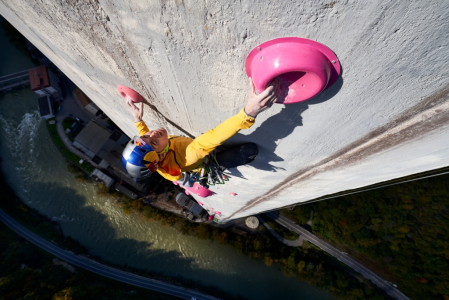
point(37, 172)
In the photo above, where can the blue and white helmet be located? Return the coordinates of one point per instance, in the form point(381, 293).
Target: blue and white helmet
point(139, 159)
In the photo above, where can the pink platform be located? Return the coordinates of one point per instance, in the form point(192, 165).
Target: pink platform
point(127, 92)
point(303, 67)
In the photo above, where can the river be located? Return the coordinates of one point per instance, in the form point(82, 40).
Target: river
point(36, 171)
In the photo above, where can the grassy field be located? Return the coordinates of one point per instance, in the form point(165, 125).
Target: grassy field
point(67, 122)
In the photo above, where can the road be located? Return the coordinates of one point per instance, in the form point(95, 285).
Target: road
point(292, 243)
point(23, 76)
point(14, 76)
point(100, 269)
point(12, 85)
point(365, 272)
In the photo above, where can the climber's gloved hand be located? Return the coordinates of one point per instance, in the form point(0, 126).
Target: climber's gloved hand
point(136, 110)
point(258, 103)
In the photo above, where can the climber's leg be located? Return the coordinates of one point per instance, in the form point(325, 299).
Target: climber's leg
point(237, 156)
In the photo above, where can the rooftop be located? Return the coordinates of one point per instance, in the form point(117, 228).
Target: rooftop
point(44, 106)
point(38, 78)
point(92, 138)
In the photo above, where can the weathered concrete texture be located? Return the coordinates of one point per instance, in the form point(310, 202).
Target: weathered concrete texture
point(387, 115)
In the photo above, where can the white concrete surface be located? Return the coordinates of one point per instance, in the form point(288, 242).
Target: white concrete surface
point(186, 58)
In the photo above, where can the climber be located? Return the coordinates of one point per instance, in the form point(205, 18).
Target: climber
point(172, 155)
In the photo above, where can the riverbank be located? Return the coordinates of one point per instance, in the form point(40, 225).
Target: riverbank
point(74, 283)
point(307, 263)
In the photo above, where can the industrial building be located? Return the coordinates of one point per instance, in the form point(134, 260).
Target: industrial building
point(44, 82)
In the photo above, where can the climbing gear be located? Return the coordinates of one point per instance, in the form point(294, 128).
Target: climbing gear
point(185, 180)
point(139, 159)
point(209, 172)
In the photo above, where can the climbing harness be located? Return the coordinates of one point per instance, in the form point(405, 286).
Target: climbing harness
point(208, 173)
point(211, 173)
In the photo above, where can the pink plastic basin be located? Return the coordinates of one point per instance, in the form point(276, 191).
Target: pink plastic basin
point(129, 93)
point(303, 67)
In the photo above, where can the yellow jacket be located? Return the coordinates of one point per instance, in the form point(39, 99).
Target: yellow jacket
point(185, 154)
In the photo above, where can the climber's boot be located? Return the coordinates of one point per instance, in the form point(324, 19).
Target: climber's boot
point(237, 156)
